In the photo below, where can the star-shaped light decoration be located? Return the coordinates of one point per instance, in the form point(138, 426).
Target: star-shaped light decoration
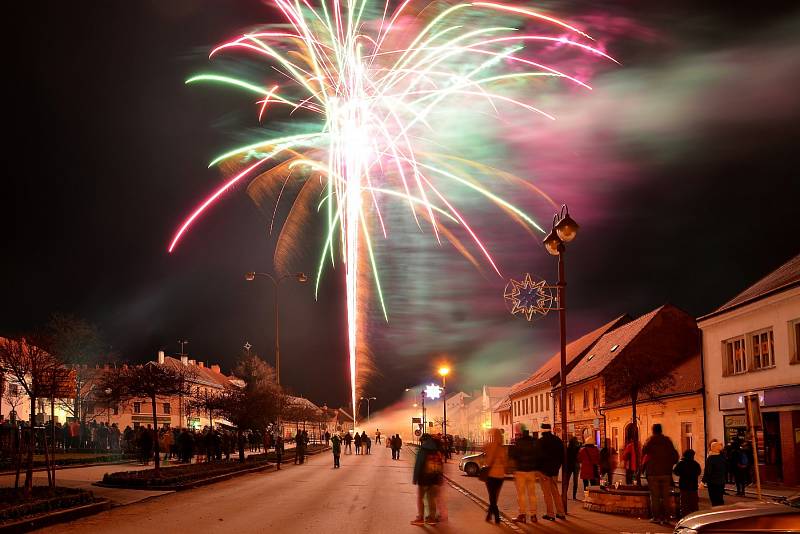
point(433, 391)
point(530, 297)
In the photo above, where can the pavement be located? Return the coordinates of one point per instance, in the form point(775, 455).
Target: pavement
point(369, 494)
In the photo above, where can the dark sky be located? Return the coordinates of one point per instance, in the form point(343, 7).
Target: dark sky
point(109, 151)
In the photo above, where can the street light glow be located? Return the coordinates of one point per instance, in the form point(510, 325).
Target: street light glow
point(433, 391)
point(444, 370)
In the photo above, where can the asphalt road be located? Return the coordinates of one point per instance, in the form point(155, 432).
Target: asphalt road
point(369, 494)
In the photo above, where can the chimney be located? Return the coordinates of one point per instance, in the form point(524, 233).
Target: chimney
point(161, 357)
point(192, 362)
point(201, 365)
point(185, 360)
point(216, 369)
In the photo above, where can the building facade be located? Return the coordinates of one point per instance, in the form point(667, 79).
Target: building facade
point(751, 344)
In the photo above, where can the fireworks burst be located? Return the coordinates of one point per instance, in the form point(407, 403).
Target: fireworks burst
point(373, 85)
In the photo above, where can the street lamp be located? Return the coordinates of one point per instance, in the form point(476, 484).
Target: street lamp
point(301, 278)
point(564, 230)
point(368, 399)
point(443, 372)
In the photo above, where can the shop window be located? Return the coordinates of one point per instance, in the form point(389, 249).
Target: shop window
point(735, 357)
point(762, 345)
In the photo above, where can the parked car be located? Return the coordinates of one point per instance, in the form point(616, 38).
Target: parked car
point(471, 464)
point(758, 516)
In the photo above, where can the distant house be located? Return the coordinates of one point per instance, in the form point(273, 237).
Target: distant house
point(751, 344)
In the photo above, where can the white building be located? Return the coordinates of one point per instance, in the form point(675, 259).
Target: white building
point(752, 344)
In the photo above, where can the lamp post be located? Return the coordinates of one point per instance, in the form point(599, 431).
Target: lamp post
point(300, 278)
point(564, 230)
point(368, 399)
point(422, 400)
point(443, 372)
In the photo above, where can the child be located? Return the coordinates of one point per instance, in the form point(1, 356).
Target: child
point(688, 471)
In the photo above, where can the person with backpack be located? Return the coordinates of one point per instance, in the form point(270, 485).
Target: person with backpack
point(688, 472)
point(526, 462)
point(661, 455)
point(740, 462)
point(428, 475)
point(494, 471)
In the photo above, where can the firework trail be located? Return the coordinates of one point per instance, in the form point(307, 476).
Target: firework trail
point(369, 83)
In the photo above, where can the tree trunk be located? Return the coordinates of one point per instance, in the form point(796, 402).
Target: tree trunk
point(53, 436)
point(31, 445)
point(156, 449)
point(638, 471)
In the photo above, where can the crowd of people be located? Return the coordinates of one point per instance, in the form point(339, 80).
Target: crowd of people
point(535, 461)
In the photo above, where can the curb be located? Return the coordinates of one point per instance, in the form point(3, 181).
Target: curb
point(72, 466)
point(192, 484)
point(60, 516)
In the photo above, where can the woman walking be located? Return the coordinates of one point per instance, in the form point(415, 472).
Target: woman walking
point(496, 457)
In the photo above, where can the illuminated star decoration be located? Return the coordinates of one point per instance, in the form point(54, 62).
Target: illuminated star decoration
point(433, 391)
point(529, 297)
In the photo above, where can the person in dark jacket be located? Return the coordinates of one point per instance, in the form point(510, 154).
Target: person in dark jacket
point(661, 456)
point(589, 460)
point(715, 474)
point(336, 449)
point(573, 466)
point(526, 462)
point(428, 475)
point(688, 473)
point(348, 439)
point(357, 441)
point(278, 451)
point(550, 457)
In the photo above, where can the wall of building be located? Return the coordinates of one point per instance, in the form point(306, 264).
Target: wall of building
point(778, 312)
point(533, 407)
point(680, 417)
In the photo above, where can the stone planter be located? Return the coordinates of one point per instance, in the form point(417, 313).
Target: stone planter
point(627, 500)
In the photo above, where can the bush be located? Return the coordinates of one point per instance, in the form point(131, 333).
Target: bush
point(43, 499)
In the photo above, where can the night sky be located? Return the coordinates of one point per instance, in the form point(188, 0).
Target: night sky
point(682, 168)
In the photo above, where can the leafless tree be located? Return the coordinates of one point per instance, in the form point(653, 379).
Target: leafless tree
point(151, 381)
point(33, 368)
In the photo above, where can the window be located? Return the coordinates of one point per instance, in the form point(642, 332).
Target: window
point(615, 438)
point(686, 436)
point(595, 396)
point(137, 407)
point(735, 358)
point(541, 401)
point(762, 345)
point(167, 408)
point(537, 402)
point(585, 399)
point(571, 403)
point(547, 401)
point(794, 341)
point(13, 390)
point(115, 410)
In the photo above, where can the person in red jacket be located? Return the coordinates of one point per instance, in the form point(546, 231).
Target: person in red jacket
point(589, 458)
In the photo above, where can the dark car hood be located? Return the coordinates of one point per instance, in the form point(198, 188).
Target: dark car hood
point(734, 511)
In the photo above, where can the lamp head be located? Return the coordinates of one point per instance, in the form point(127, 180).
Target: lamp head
point(250, 276)
point(301, 277)
point(566, 228)
point(552, 243)
point(444, 370)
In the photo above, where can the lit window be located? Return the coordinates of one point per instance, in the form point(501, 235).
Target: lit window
point(763, 349)
point(735, 358)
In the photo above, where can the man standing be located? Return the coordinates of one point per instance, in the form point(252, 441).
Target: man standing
point(550, 455)
point(661, 456)
point(428, 474)
point(524, 455)
point(278, 450)
point(336, 448)
point(377, 436)
point(347, 440)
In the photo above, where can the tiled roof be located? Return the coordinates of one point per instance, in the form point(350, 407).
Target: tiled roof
point(782, 278)
point(497, 391)
point(549, 371)
point(503, 406)
point(202, 375)
point(601, 354)
point(687, 378)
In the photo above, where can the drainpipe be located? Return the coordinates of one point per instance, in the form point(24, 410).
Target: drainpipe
point(703, 394)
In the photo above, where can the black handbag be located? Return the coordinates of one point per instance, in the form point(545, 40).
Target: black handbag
point(483, 473)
